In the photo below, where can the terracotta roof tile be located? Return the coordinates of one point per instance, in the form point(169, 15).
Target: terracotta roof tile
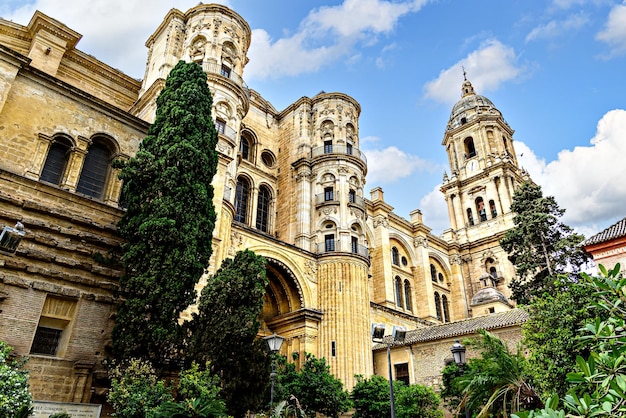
point(456, 329)
point(616, 230)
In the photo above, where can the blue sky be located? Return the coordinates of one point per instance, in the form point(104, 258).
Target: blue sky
point(555, 69)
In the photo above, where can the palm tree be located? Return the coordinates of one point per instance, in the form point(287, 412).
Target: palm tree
point(496, 382)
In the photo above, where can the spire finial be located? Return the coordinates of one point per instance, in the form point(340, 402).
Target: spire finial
point(464, 73)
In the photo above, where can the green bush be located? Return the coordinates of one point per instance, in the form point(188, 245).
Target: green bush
point(15, 398)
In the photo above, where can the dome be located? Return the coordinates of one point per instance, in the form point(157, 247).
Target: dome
point(487, 295)
point(470, 105)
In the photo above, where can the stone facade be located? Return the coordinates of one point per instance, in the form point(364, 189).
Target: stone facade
point(290, 186)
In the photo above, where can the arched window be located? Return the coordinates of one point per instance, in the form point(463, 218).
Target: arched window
point(242, 194)
point(263, 209)
point(354, 245)
point(95, 169)
point(56, 161)
point(446, 308)
point(399, 291)
point(433, 273)
point(395, 256)
point(470, 150)
point(438, 305)
point(470, 217)
point(407, 295)
point(492, 209)
point(220, 126)
point(244, 148)
point(480, 209)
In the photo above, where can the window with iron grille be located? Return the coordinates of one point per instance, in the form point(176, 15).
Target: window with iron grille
point(244, 148)
point(242, 193)
point(328, 147)
point(407, 295)
point(95, 170)
point(56, 161)
point(328, 194)
point(46, 341)
point(402, 372)
point(263, 209)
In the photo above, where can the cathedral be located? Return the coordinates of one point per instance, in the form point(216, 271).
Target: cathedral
point(290, 186)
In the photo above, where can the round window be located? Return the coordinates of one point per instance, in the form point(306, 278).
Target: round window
point(268, 158)
point(404, 261)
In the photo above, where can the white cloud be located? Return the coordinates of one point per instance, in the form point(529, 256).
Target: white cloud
point(587, 181)
point(390, 164)
point(492, 64)
point(435, 211)
point(326, 35)
point(556, 28)
point(614, 33)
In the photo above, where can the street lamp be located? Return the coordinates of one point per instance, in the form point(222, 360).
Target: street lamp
point(458, 352)
point(274, 342)
point(397, 335)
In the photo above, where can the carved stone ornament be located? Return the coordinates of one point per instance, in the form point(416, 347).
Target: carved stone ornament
point(455, 259)
point(420, 241)
point(310, 267)
point(236, 241)
point(380, 220)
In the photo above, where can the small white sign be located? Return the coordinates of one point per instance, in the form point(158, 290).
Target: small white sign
point(43, 409)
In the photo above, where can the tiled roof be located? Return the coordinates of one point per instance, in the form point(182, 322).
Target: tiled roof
point(456, 329)
point(616, 230)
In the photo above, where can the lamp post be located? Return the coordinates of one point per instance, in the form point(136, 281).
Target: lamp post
point(274, 342)
point(458, 352)
point(397, 334)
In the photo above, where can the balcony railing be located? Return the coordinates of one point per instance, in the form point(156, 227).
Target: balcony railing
point(321, 199)
point(214, 68)
point(357, 201)
point(229, 133)
point(336, 247)
point(336, 149)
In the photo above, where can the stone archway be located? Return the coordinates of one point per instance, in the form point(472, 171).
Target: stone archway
point(284, 311)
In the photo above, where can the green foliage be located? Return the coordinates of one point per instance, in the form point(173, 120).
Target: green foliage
point(224, 331)
point(451, 393)
point(135, 389)
point(539, 245)
point(60, 415)
point(15, 398)
point(600, 382)
point(198, 396)
point(550, 334)
point(314, 386)
point(168, 226)
point(417, 401)
point(371, 397)
point(495, 382)
point(289, 408)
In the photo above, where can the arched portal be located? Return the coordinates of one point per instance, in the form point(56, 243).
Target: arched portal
point(283, 294)
point(284, 311)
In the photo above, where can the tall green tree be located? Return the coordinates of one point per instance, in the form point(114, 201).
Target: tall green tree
point(317, 390)
point(168, 225)
point(540, 245)
point(550, 334)
point(224, 331)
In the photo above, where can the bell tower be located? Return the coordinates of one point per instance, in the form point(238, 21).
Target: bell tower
point(484, 174)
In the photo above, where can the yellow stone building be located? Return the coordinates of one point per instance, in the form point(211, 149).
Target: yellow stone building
point(290, 186)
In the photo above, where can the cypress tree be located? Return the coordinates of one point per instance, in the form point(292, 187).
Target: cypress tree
point(167, 229)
